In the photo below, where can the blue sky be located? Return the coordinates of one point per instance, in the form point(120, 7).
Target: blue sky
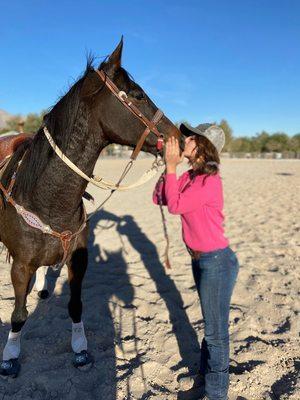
point(198, 60)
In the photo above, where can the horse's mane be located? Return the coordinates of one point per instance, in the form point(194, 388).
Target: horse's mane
point(60, 122)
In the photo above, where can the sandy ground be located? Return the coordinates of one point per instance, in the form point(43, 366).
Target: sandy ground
point(144, 324)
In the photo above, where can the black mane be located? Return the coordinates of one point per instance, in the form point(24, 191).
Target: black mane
point(60, 122)
point(61, 119)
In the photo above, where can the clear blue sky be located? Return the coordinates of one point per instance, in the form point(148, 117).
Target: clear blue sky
point(199, 60)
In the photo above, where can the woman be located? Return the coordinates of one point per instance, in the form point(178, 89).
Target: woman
point(197, 196)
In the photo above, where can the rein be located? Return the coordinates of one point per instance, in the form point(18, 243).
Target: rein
point(96, 180)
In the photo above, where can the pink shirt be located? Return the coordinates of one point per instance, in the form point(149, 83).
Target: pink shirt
point(200, 208)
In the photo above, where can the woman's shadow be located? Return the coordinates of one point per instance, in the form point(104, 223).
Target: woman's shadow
point(185, 335)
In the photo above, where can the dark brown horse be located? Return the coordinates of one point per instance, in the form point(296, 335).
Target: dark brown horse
point(87, 119)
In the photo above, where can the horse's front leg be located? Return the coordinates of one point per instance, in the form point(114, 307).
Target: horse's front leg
point(21, 275)
point(76, 270)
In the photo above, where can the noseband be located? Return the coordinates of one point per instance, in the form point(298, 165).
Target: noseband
point(151, 126)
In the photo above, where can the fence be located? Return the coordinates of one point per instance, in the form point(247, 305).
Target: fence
point(118, 151)
point(264, 155)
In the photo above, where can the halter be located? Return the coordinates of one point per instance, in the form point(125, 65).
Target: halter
point(151, 126)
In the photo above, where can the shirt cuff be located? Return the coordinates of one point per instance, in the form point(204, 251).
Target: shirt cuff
point(171, 177)
point(170, 174)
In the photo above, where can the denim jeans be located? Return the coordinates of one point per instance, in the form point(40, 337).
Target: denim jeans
point(215, 274)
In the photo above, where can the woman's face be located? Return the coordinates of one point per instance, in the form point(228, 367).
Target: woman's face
point(190, 147)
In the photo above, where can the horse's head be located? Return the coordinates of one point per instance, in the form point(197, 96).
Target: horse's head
point(125, 123)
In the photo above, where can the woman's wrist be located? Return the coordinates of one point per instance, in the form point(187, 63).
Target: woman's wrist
point(171, 169)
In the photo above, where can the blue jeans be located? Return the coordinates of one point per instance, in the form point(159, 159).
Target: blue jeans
point(215, 274)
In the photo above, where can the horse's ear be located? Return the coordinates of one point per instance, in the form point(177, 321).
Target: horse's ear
point(114, 61)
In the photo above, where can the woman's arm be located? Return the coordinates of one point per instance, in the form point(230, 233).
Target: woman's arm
point(194, 197)
point(172, 159)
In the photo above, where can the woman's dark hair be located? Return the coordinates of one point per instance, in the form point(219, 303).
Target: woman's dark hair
point(206, 160)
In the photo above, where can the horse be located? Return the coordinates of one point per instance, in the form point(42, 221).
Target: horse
point(42, 217)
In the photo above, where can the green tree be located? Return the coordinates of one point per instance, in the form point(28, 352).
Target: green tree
point(294, 143)
point(13, 123)
point(278, 142)
point(242, 144)
point(33, 122)
point(3, 130)
point(260, 141)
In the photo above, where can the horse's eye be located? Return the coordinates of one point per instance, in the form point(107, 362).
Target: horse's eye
point(137, 94)
point(140, 96)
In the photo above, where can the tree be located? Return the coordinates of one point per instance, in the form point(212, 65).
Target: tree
point(278, 142)
point(260, 141)
point(242, 144)
point(294, 143)
point(13, 123)
point(33, 122)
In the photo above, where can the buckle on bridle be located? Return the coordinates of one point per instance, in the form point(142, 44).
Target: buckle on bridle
point(122, 95)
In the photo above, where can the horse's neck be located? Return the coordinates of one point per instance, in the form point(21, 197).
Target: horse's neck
point(59, 190)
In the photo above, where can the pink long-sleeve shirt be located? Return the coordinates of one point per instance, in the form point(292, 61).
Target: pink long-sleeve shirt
point(200, 208)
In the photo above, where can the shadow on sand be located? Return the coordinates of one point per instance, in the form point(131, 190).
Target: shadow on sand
point(46, 353)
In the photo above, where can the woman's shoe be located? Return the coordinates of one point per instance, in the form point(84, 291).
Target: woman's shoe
point(191, 381)
point(206, 398)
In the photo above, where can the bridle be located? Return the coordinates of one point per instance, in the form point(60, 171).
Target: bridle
point(151, 126)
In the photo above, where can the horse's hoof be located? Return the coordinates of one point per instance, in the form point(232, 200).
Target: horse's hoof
point(43, 294)
point(83, 360)
point(10, 368)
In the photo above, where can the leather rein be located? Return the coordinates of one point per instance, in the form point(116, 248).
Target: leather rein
point(67, 236)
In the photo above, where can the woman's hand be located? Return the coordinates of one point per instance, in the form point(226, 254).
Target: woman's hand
point(172, 154)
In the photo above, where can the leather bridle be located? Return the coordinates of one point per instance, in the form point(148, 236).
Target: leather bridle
point(151, 126)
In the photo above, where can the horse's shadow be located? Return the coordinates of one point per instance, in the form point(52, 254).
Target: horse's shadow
point(107, 298)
